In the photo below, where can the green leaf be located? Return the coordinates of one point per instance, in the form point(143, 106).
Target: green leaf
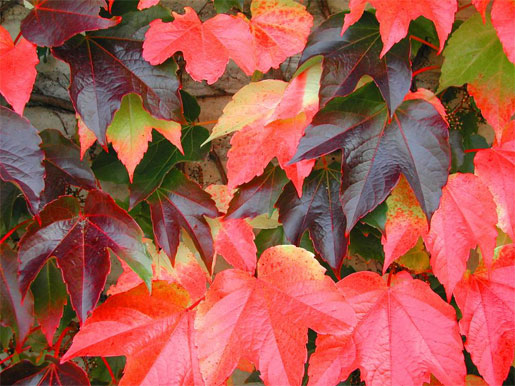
point(160, 158)
point(224, 6)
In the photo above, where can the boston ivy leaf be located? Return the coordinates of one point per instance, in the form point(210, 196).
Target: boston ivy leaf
point(475, 56)
point(14, 312)
point(404, 333)
point(487, 300)
point(20, 61)
point(147, 3)
point(161, 156)
point(405, 223)
point(395, 17)
point(51, 22)
point(20, 156)
point(503, 20)
point(79, 240)
point(107, 65)
point(51, 372)
point(377, 150)
point(465, 219)
point(259, 195)
point(63, 165)
point(131, 130)
point(181, 203)
point(347, 58)
point(49, 299)
point(318, 210)
point(155, 332)
point(266, 319)
point(495, 167)
point(224, 6)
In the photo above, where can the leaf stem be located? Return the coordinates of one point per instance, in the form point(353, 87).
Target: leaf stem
point(57, 346)
point(424, 42)
point(463, 7)
point(195, 304)
point(8, 234)
point(106, 363)
point(203, 123)
point(17, 38)
point(424, 69)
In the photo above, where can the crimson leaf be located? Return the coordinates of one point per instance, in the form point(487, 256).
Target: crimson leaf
point(20, 156)
point(377, 150)
point(177, 203)
point(63, 165)
point(79, 240)
point(51, 22)
point(106, 65)
point(259, 195)
point(347, 58)
point(318, 210)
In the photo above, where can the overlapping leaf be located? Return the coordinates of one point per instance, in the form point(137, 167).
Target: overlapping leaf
point(503, 20)
point(487, 301)
point(155, 332)
point(50, 372)
point(107, 65)
point(79, 240)
point(496, 168)
point(405, 223)
point(49, 299)
point(475, 56)
point(265, 320)
point(181, 203)
point(377, 150)
point(394, 17)
point(318, 210)
point(131, 130)
point(51, 22)
point(405, 333)
point(254, 146)
point(259, 195)
point(15, 312)
point(19, 61)
point(465, 219)
point(349, 56)
point(20, 156)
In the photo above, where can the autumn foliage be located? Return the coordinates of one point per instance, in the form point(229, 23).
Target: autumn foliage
point(365, 232)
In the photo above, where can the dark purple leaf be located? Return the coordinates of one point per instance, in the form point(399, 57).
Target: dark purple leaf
point(52, 22)
point(181, 203)
point(376, 149)
point(50, 373)
point(63, 166)
point(106, 65)
point(20, 156)
point(259, 195)
point(14, 313)
point(318, 210)
point(347, 58)
point(79, 240)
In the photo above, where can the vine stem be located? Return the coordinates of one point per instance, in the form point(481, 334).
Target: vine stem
point(17, 38)
point(8, 234)
point(106, 363)
point(424, 69)
point(424, 42)
point(203, 123)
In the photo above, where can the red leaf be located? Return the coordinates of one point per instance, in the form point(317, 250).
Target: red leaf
point(155, 332)
point(206, 47)
point(86, 137)
point(79, 240)
point(52, 22)
point(254, 146)
point(235, 242)
point(14, 313)
point(503, 20)
point(465, 219)
point(496, 168)
point(147, 4)
point(394, 17)
point(19, 61)
point(404, 333)
point(487, 301)
point(405, 223)
point(50, 373)
point(265, 320)
point(280, 29)
point(20, 156)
